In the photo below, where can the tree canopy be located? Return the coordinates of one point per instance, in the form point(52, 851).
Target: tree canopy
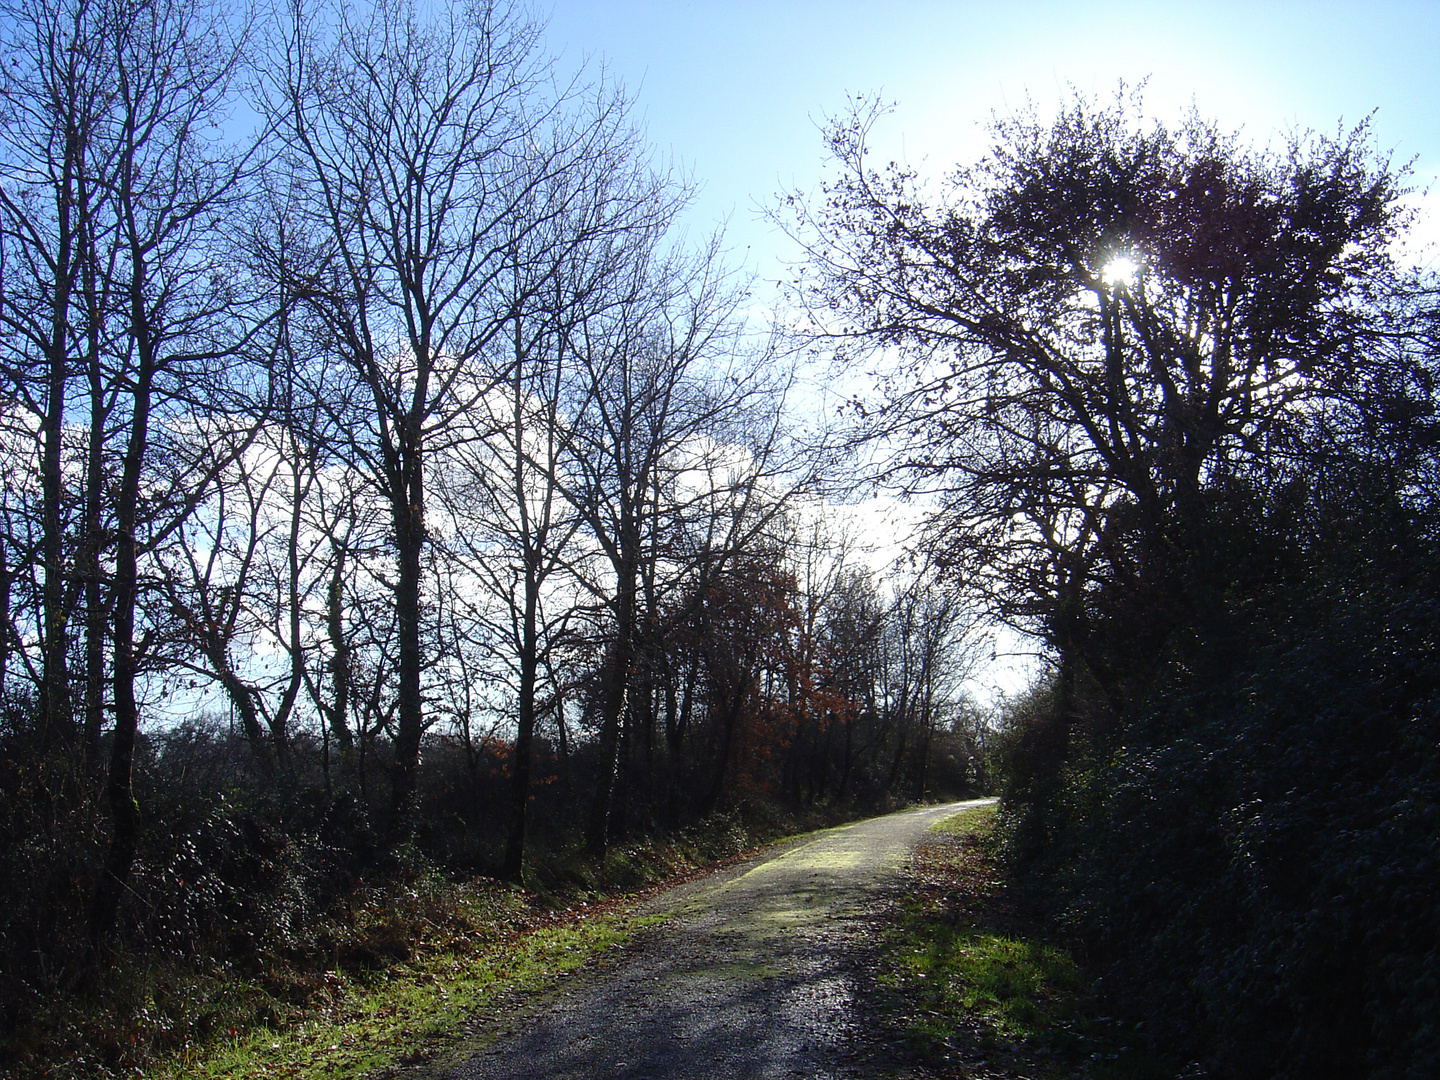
point(1085, 330)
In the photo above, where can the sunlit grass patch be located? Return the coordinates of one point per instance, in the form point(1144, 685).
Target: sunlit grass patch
point(1014, 988)
point(971, 820)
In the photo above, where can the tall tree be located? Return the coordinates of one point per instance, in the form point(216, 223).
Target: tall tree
point(415, 139)
point(57, 162)
point(599, 220)
point(113, 272)
point(176, 325)
point(1092, 324)
point(682, 432)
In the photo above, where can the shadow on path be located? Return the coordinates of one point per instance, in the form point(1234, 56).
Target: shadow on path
point(755, 975)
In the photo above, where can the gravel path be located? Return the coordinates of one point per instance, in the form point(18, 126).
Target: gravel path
point(754, 976)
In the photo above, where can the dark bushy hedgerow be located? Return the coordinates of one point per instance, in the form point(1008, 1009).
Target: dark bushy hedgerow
point(1256, 868)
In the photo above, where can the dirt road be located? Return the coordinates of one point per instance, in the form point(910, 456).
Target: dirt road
point(753, 976)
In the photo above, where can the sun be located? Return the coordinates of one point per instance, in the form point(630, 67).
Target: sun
point(1120, 271)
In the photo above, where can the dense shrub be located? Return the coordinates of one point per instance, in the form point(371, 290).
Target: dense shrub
point(1250, 852)
point(1261, 887)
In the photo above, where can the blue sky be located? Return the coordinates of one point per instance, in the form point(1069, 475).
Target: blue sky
point(735, 90)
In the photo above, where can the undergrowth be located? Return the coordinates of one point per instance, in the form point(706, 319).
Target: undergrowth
point(386, 975)
point(974, 984)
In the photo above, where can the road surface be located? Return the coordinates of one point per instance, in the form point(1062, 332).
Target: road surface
point(756, 975)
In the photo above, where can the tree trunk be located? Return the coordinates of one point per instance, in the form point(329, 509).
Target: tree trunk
point(677, 720)
point(242, 697)
point(88, 559)
point(617, 683)
point(617, 686)
point(722, 767)
point(514, 868)
point(410, 540)
point(119, 790)
point(55, 685)
point(337, 712)
point(7, 578)
point(844, 784)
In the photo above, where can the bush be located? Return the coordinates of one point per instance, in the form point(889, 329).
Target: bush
point(1253, 864)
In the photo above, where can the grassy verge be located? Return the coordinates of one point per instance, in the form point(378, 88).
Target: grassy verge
point(444, 959)
point(406, 968)
point(409, 967)
point(974, 985)
point(417, 1011)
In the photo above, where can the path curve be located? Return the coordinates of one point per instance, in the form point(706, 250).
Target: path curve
point(754, 977)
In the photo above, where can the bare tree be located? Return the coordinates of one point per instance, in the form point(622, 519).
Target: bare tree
point(422, 143)
point(169, 67)
point(57, 159)
point(683, 424)
point(599, 220)
point(109, 212)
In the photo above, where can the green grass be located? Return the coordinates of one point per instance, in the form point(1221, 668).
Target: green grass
point(973, 981)
point(412, 1013)
point(975, 819)
point(1017, 989)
